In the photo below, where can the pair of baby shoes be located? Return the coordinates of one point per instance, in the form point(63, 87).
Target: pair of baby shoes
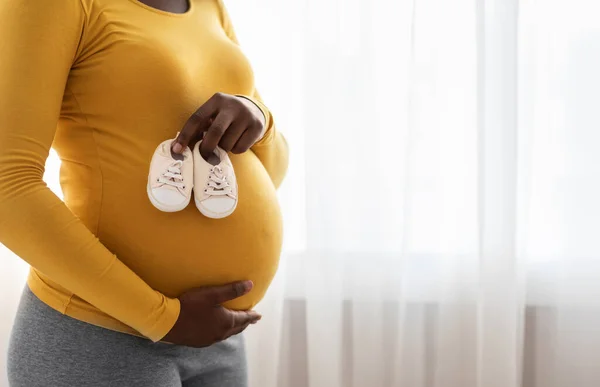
point(173, 178)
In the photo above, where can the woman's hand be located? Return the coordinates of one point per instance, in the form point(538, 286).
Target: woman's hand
point(231, 122)
point(203, 321)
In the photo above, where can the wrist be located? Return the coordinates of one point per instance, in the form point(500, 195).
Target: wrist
point(171, 309)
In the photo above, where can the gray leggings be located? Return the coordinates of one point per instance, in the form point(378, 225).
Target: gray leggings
point(50, 349)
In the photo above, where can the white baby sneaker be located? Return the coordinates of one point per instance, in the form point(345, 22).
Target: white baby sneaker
point(170, 180)
point(215, 185)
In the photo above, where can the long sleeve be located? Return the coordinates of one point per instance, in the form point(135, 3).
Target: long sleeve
point(272, 150)
point(40, 42)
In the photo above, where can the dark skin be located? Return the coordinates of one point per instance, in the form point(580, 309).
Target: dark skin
point(203, 321)
point(173, 6)
point(234, 124)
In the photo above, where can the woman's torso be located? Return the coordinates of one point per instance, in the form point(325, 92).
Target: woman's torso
point(140, 73)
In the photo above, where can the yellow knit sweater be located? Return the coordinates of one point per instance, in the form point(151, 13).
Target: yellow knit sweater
point(104, 82)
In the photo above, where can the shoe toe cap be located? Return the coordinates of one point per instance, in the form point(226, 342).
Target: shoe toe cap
point(218, 205)
point(168, 197)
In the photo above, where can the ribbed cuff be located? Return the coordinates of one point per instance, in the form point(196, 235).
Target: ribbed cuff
point(171, 309)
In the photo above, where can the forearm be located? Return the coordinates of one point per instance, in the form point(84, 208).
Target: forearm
point(40, 43)
point(38, 227)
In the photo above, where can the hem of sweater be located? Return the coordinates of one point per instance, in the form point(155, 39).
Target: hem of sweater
point(61, 303)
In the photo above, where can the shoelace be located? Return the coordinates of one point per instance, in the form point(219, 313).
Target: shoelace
point(217, 184)
point(172, 176)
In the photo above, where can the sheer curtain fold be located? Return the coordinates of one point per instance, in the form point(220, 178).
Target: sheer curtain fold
point(441, 206)
point(450, 240)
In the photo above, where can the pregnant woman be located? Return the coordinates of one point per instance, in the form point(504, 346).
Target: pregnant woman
point(120, 293)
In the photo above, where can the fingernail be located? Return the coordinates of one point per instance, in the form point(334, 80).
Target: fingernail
point(177, 148)
point(248, 285)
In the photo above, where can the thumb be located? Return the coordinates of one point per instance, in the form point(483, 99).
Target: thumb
point(220, 294)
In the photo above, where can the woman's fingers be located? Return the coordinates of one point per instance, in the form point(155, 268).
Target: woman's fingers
point(199, 122)
point(213, 135)
point(232, 135)
point(237, 331)
point(225, 120)
point(243, 318)
point(220, 294)
point(247, 139)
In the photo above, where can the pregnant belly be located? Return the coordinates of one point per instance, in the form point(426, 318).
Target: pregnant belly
point(175, 252)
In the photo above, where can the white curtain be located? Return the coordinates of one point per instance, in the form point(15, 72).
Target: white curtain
point(442, 203)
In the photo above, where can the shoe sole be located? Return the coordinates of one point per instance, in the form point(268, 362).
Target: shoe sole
point(163, 207)
point(214, 215)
